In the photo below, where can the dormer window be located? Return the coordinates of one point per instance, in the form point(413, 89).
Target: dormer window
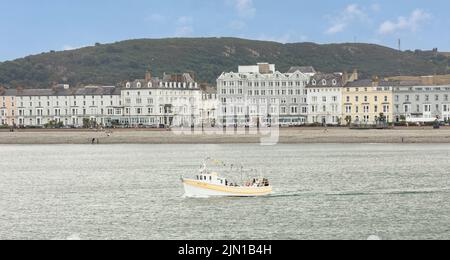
point(314, 82)
point(149, 85)
point(138, 85)
point(334, 82)
point(324, 82)
point(128, 85)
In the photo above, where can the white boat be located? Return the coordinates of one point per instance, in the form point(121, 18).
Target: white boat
point(209, 184)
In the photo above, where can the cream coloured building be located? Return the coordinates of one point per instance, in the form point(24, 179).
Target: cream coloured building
point(7, 107)
point(368, 102)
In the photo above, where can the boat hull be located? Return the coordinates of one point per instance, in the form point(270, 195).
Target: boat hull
point(194, 188)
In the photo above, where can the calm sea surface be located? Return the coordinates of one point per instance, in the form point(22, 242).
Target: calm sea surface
point(134, 192)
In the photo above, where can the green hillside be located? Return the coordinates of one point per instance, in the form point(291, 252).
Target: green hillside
point(114, 63)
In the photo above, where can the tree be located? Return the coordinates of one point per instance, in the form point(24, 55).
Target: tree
point(54, 124)
point(382, 118)
point(86, 122)
point(348, 119)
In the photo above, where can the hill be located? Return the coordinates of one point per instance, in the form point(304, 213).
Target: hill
point(114, 63)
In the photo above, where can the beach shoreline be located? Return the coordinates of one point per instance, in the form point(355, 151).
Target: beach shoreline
point(217, 136)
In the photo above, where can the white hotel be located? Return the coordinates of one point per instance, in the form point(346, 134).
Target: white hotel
point(37, 107)
point(257, 93)
point(325, 99)
point(174, 100)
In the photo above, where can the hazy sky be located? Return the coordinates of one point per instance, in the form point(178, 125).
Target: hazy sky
point(30, 26)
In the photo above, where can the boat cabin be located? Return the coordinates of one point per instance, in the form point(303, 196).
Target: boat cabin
point(212, 178)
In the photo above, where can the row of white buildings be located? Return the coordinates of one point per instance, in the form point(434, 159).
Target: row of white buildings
point(254, 95)
point(174, 100)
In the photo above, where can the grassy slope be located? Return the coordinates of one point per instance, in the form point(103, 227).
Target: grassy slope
point(207, 57)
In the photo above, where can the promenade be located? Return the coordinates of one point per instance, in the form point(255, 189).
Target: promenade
point(215, 136)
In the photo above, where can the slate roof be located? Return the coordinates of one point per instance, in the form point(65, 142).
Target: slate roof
point(328, 77)
point(58, 91)
point(302, 69)
point(370, 83)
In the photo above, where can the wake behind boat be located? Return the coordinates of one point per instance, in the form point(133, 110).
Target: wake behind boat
point(210, 184)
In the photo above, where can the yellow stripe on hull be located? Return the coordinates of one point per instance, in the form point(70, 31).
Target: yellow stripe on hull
point(228, 190)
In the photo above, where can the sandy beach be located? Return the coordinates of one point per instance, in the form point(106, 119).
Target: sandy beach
point(294, 135)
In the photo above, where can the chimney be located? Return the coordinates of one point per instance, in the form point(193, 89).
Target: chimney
point(264, 68)
point(355, 75)
point(345, 78)
point(428, 80)
point(148, 76)
point(375, 81)
point(19, 89)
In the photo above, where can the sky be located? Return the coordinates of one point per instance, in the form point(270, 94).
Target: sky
point(31, 27)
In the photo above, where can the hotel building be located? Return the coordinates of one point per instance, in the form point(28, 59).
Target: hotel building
point(210, 104)
point(71, 107)
point(420, 102)
point(7, 107)
point(174, 100)
point(368, 102)
point(324, 99)
point(257, 93)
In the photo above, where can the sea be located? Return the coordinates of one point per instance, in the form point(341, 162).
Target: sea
point(321, 191)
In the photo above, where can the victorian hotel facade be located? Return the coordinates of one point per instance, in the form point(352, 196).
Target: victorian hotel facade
point(259, 94)
point(174, 100)
point(421, 100)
